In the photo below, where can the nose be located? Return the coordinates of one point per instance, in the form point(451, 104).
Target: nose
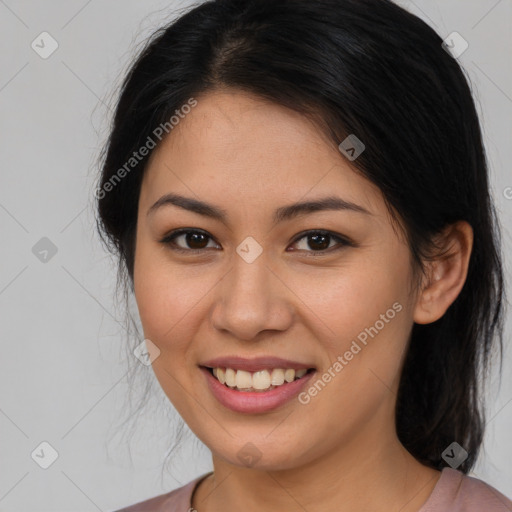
point(252, 298)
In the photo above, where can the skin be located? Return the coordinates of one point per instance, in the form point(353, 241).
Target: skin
point(339, 452)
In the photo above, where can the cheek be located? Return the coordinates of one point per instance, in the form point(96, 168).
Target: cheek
point(366, 319)
point(166, 300)
point(172, 301)
point(164, 306)
point(356, 300)
point(154, 301)
point(160, 291)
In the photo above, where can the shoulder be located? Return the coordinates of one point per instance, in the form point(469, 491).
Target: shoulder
point(476, 493)
point(458, 492)
point(178, 499)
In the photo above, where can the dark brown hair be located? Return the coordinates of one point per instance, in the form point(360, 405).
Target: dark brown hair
point(370, 68)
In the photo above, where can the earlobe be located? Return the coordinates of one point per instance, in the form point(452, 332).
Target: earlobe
point(446, 274)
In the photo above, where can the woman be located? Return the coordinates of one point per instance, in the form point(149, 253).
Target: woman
point(298, 195)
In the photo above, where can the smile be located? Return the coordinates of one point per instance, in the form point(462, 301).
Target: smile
point(253, 392)
point(260, 381)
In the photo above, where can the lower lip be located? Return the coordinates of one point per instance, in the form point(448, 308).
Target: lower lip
point(255, 401)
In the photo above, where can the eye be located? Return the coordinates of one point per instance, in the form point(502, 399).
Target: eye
point(320, 241)
point(194, 240)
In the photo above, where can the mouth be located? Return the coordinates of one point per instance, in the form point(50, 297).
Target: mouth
point(256, 389)
point(259, 381)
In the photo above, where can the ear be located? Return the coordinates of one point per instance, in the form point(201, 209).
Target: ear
point(446, 273)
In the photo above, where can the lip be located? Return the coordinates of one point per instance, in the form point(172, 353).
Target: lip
point(255, 401)
point(255, 364)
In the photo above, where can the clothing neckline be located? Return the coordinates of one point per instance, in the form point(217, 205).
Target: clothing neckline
point(448, 478)
point(195, 484)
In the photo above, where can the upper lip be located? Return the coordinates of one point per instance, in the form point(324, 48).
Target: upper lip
point(254, 364)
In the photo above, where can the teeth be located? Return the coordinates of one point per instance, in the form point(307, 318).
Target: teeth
point(243, 380)
point(277, 377)
point(289, 375)
point(263, 380)
point(220, 374)
point(230, 377)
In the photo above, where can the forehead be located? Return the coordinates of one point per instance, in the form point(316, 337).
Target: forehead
point(233, 146)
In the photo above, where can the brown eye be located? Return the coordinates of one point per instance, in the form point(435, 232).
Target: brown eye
point(320, 241)
point(191, 240)
point(196, 240)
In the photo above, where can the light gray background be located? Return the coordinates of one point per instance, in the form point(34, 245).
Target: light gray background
point(63, 374)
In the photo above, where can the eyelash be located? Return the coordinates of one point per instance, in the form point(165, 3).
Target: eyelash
point(169, 240)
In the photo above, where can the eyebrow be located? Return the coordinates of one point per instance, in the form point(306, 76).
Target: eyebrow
point(281, 214)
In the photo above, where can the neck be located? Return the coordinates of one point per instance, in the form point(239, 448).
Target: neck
point(374, 473)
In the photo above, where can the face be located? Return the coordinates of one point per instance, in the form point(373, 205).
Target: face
point(263, 289)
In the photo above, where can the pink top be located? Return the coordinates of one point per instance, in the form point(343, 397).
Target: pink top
point(454, 492)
